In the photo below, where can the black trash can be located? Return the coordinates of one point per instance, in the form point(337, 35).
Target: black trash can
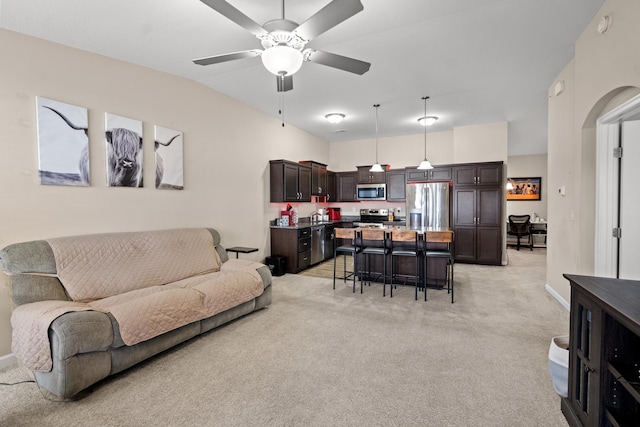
point(277, 264)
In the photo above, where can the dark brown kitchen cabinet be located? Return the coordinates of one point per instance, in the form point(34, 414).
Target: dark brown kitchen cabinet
point(332, 187)
point(489, 173)
point(289, 181)
point(438, 173)
point(365, 176)
point(346, 182)
point(318, 177)
point(396, 185)
point(604, 352)
point(477, 224)
point(294, 244)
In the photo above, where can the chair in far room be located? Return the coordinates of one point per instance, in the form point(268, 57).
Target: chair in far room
point(344, 242)
point(520, 226)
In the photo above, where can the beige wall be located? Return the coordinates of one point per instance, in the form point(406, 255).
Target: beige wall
point(397, 152)
point(227, 146)
point(481, 143)
point(604, 64)
point(484, 143)
point(529, 166)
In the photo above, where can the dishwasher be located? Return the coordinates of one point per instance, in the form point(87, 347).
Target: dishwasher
point(317, 244)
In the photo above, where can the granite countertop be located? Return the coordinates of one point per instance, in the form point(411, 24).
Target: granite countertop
point(307, 224)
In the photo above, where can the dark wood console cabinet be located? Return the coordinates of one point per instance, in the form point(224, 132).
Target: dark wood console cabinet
point(604, 352)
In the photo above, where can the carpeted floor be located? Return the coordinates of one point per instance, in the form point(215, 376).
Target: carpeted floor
point(319, 357)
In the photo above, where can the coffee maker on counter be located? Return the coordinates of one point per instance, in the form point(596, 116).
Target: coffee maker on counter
point(334, 214)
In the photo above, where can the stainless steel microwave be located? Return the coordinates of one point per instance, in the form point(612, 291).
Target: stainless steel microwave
point(371, 191)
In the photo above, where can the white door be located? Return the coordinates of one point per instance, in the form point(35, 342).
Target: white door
point(629, 245)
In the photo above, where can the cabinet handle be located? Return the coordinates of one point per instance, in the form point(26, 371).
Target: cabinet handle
point(588, 369)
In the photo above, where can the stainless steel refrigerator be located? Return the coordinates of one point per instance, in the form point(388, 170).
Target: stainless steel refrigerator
point(428, 204)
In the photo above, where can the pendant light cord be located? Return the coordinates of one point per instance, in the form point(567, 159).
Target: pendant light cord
point(376, 107)
point(425, 126)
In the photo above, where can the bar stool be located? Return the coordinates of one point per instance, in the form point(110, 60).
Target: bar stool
point(373, 242)
point(447, 254)
point(348, 247)
point(404, 249)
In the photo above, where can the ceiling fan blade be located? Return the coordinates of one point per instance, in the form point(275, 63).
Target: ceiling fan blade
point(225, 9)
point(337, 61)
point(284, 83)
point(228, 57)
point(328, 17)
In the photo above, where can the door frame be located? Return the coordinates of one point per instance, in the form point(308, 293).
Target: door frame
point(607, 175)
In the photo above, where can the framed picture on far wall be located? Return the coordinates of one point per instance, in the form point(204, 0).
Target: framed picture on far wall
point(524, 188)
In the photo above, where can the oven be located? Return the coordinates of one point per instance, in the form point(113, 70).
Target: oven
point(373, 218)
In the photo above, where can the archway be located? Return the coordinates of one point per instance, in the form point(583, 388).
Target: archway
point(614, 115)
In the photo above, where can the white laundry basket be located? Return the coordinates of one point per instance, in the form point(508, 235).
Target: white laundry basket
point(559, 364)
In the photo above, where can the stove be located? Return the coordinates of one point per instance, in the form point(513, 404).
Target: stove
point(373, 218)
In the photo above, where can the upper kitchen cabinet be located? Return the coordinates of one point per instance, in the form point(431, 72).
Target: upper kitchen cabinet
point(290, 181)
point(396, 185)
point(367, 177)
point(346, 186)
point(438, 173)
point(489, 173)
point(318, 177)
point(332, 187)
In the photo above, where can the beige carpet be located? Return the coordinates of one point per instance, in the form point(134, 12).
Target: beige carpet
point(319, 357)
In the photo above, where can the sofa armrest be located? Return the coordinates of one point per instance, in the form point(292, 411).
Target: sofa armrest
point(80, 332)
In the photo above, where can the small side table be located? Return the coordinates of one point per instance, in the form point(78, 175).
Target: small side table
point(241, 249)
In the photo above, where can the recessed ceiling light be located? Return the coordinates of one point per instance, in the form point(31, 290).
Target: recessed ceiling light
point(334, 117)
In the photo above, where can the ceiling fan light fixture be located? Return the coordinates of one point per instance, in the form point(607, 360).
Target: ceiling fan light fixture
point(282, 60)
point(427, 120)
point(334, 118)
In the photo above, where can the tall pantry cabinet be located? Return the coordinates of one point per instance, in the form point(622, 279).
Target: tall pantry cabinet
point(478, 223)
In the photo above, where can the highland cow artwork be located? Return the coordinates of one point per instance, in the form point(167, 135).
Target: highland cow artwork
point(169, 164)
point(124, 151)
point(63, 143)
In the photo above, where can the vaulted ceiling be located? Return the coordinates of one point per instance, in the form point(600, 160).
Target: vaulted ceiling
point(480, 61)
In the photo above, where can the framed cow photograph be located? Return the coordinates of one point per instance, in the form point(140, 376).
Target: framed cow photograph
point(63, 143)
point(169, 163)
point(123, 138)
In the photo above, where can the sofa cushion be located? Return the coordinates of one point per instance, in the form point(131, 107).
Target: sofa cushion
point(143, 314)
point(97, 266)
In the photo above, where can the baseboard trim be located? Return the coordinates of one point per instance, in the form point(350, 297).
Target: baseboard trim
point(8, 361)
point(557, 296)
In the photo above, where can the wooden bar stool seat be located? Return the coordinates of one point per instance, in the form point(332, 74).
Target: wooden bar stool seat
point(345, 246)
point(373, 242)
point(404, 244)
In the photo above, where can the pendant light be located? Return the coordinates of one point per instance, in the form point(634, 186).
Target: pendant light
point(376, 167)
point(426, 121)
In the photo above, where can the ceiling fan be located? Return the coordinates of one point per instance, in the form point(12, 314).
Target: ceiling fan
point(284, 40)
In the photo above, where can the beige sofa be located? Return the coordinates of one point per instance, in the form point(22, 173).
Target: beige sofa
point(90, 306)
